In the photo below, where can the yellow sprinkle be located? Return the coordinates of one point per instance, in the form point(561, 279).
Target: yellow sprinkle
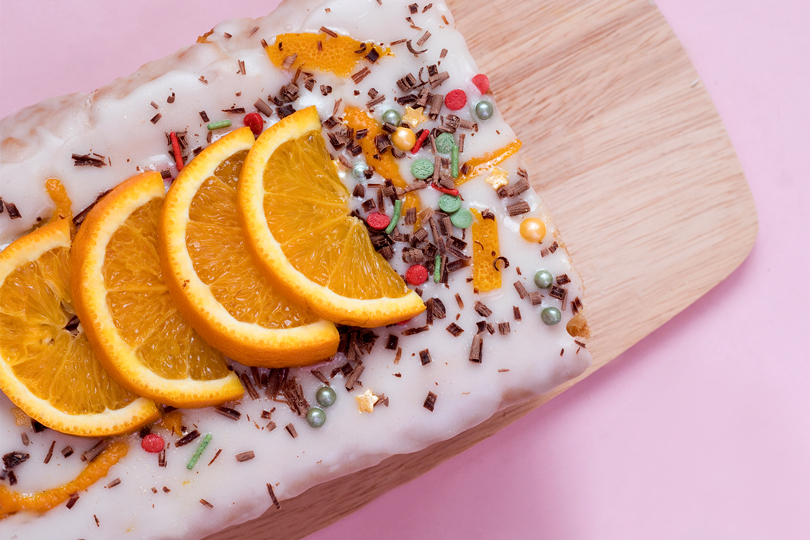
point(498, 178)
point(366, 401)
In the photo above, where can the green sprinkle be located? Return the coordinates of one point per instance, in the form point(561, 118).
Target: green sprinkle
point(449, 203)
point(199, 451)
point(445, 143)
point(395, 217)
point(462, 219)
point(422, 169)
point(437, 269)
point(218, 125)
point(454, 162)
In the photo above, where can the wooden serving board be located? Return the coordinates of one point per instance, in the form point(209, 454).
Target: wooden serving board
point(624, 143)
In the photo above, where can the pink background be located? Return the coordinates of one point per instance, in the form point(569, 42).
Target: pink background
point(702, 430)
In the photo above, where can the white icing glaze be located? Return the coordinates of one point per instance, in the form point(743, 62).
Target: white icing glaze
point(114, 121)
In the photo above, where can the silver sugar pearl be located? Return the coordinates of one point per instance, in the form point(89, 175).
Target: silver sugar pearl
point(543, 279)
point(551, 316)
point(359, 170)
point(316, 417)
point(391, 117)
point(326, 396)
point(484, 110)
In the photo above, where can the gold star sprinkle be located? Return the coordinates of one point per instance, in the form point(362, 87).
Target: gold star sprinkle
point(366, 401)
point(413, 117)
point(497, 178)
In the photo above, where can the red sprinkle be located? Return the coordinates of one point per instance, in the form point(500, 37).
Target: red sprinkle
point(378, 221)
point(455, 99)
point(420, 141)
point(416, 274)
point(481, 82)
point(178, 155)
point(255, 122)
point(152, 443)
point(445, 190)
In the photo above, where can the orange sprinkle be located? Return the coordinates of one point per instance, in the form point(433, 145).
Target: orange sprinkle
point(489, 161)
point(12, 501)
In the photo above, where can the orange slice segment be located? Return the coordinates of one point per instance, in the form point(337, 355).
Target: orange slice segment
point(487, 162)
point(338, 55)
point(485, 250)
point(296, 213)
point(130, 319)
point(47, 366)
point(214, 280)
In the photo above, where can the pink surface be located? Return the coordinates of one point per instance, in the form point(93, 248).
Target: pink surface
point(699, 431)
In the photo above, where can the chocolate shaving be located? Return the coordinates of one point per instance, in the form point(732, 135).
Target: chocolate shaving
point(536, 298)
point(241, 67)
point(213, 459)
point(227, 412)
point(24, 437)
point(559, 293)
point(423, 39)
point(155, 105)
point(521, 289)
point(518, 208)
point(13, 459)
point(503, 328)
point(251, 390)
point(398, 355)
point(430, 401)
point(162, 457)
point(234, 110)
point(94, 452)
point(516, 312)
point(414, 331)
point(576, 305)
point(476, 348)
point(79, 160)
point(187, 438)
point(113, 483)
point(412, 50)
point(245, 456)
point(166, 490)
point(72, 500)
point(262, 106)
point(562, 279)
point(438, 79)
point(352, 379)
point(12, 478)
point(294, 395)
point(204, 116)
point(288, 61)
point(49, 455)
point(392, 343)
point(424, 356)
point(459, 301)
point(482, 309)
point(373, 56)
point(328, 32)
point(291, 430)
point(455, 329)
point(273, 496)
point(505, 263)
point(414, 8)
point(360, 75)
point(553, 247)
point(206, 503)
point(318, 375)
point(376, 101)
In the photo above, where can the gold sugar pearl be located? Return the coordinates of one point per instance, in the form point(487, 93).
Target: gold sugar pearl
point(533, 229)
point(403, 138)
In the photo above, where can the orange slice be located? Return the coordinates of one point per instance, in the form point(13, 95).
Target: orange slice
point(47, 366)
point(338, 55)
point(128, 315)
point(296, 213)
point(213, 278)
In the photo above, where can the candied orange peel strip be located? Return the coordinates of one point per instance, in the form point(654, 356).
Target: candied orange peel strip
point(12, 501)
point(485, 250)
point(487, 162)
point(338, 55)
point(385, 164)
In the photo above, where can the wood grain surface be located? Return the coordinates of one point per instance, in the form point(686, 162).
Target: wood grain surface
point(624, 143)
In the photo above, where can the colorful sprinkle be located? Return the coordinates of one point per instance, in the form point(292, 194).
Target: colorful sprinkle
point(454, 161)
point(481, 82)
point(437, 269)
point(255, 122)
point(533, 229)
point(153, 443)
point(219, 125)
point(395, 218)
point(453, 192)
point(449, 203)
point(455, 99)
point(378, 221)
point(423, 135)
point(178, 155)
point(403, 138)
point(461, 219)
point(445, 143)
point(416, 274)
point(422, 168)
point(200, 449)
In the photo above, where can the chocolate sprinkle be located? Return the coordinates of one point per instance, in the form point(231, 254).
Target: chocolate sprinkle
point(251, 390)
point(430, 401)
point(424, 356)
point(518, 208)
point(459, 301)
point(327, 31)
point(227, 412)
point(353, 376)
point(562, 279)
point(72, 501)
point(521, 290)
point(398, 355)
point(476, 348)
point(162, 457)
point(393, 340)
point(204, 116)
point(318, 375)
point(206, 503)
point(215, 457)
point(516, 313)
point(503, 328)
point(273, 497)
point(482, 309)
point(262, 106)
point(113, 483)
point(245, 456)
point(291, 430)
point(155, 118)
point(536, 298)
